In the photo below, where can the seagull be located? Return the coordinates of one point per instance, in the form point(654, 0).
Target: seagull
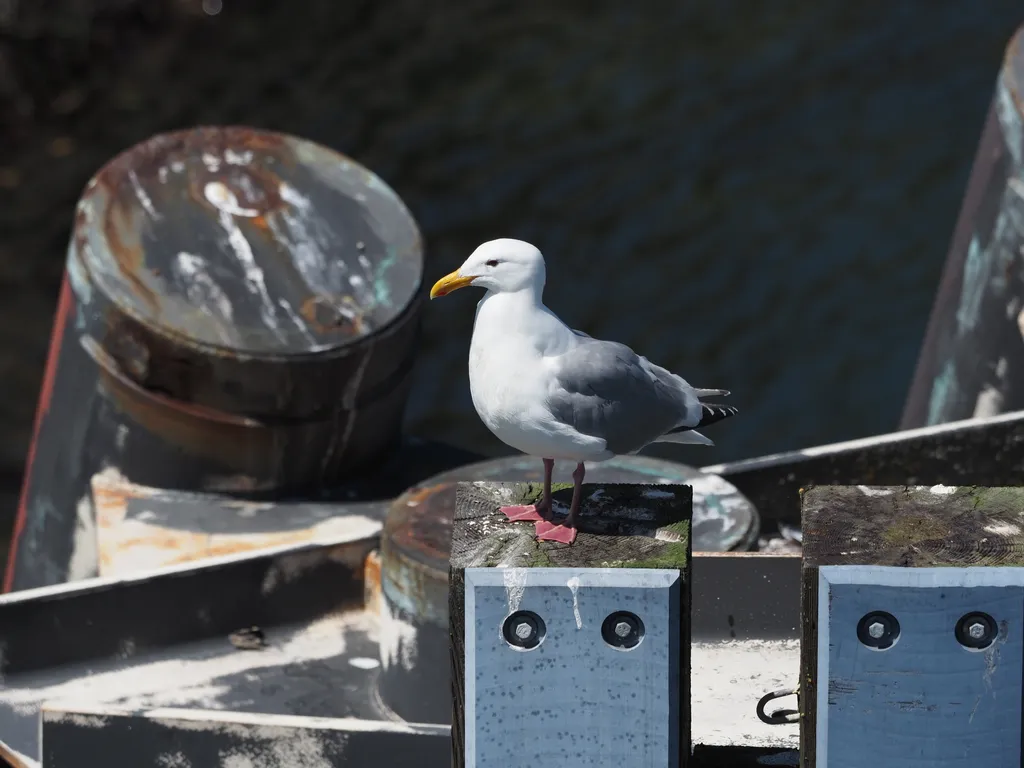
point(555, 393)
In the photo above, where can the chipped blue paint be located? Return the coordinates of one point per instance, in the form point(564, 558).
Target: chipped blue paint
point(927, 700)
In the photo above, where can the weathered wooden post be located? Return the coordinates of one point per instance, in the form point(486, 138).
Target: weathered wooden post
point(415, 679)
point(578, 655)
point(913, 627)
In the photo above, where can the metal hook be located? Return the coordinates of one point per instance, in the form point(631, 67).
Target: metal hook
point(779, 716)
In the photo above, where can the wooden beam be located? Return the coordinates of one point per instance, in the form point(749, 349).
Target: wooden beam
point(571, 655)
point(896, 583)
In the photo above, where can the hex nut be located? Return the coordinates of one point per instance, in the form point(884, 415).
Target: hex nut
point(878, 630)
point(523, 630)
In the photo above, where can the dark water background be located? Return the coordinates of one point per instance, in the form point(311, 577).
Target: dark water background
point(756, 195)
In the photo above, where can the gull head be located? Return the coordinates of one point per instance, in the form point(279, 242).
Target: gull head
point(503, 265)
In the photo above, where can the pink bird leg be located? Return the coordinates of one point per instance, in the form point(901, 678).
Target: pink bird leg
point(566, 532)
point(532, 512)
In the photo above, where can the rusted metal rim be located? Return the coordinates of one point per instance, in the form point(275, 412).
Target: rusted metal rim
point(206, 156)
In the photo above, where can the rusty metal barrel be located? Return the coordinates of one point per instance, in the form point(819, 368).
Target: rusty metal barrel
point(414, 681)
point(239, 313)
point(971, 363)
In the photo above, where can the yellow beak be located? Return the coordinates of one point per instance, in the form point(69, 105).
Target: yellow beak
point(449, 283)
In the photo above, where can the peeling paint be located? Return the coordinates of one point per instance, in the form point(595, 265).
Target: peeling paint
point(398, 640)
point(84, 561)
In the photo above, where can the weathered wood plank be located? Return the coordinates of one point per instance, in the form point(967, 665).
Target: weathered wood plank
point(911, 526)
point(891, 579)
point(573, 690)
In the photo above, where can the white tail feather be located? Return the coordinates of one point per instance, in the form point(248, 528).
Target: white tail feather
point(690, 437)
point(711, 392)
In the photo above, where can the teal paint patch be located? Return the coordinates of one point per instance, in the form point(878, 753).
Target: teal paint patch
point(381, 288)
point(944, 390)
point(972, 287)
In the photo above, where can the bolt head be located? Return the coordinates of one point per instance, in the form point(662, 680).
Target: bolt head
point(622, 629)
point(876, 630)
point(976, 630)
point(523, 630)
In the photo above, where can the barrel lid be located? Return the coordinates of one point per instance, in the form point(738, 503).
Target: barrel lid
point(255, 242)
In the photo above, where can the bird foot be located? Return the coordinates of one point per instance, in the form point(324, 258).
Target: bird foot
point(548, 531)
point(528, 512)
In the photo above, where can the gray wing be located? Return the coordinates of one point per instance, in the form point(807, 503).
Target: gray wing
point(604, 389)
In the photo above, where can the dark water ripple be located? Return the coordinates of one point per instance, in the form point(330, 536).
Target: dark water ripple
point(759, 199)
point(757, 195)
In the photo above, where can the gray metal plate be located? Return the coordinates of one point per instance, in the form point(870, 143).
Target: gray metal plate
point(926, 700)
point(573, 700)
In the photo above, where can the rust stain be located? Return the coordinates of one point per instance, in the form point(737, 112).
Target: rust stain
point(110, 371)
point(228, 546)
point(231, 440)
point(129, 258)
point(371, 577)
point(414, 496)
point(163, 546)
point(260, 223)
point(423, 521)
point(148, 157)
point(161, 539)
point(121, 547)
point(323, 315)
point(253, 187)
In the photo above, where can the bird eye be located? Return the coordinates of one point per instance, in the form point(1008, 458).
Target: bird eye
point(492, 263)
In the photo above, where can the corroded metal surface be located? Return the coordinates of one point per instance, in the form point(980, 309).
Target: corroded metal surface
point(249, 272)
point(139, 528)
point(240, 313)
point(972, 360)
point(252, 242)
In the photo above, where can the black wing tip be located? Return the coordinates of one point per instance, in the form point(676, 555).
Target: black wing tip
point(712, 413)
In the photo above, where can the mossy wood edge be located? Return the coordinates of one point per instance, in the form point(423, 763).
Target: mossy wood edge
point(902, 526)
point(620, 526)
